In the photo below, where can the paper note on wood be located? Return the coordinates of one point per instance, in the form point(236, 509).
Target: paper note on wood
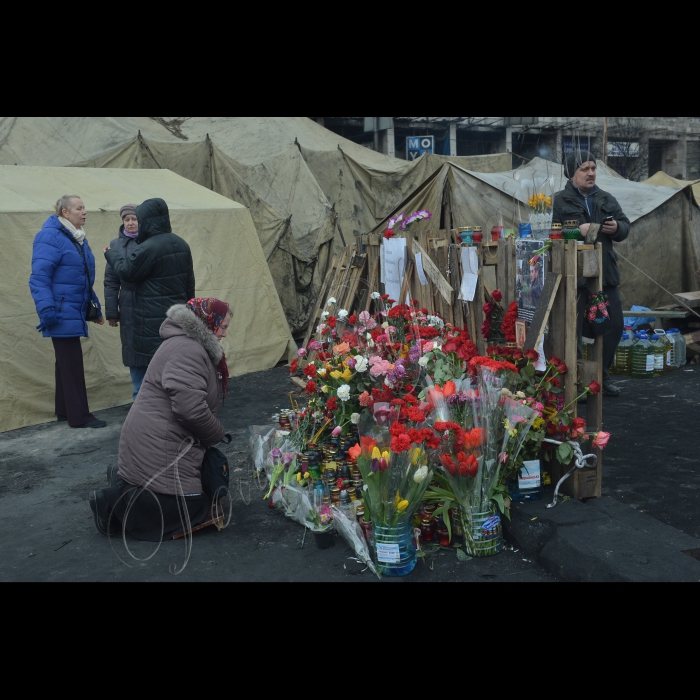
point(434, 274)
point(541, 365)
point(421, 271)
point(382, 261)
point(470, 269)
point(395, 266)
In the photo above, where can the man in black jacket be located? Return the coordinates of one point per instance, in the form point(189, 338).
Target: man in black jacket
point(602, 220)
point(161, 267)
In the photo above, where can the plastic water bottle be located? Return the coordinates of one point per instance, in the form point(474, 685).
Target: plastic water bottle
point(660, 367)
point(643, 358)
point(680, 348)
point(623, 357)
point(663, 335)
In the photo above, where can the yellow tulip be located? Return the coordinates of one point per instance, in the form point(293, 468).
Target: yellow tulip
point(376, 454)
point(336, 375)
point(403, 506)
point(417, 457)
point(347, 375)
point(386, 456)
point(326, 389)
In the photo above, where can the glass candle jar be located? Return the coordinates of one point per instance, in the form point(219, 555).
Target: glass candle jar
point(467, 235)
point(497, 233)
point(572, 232)
point(335, 496)
point(557, 233)
point(427, 530)
point(478, 236)
point(443, 535)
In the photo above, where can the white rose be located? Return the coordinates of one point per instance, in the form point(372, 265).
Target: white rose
point(344, 393)
point(355, 418)
point(421, 475)
point(423, 362)
point(362, 365)
point(332, 301)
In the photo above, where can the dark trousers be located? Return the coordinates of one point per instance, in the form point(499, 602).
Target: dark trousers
point(71, 392)
point(612, 340)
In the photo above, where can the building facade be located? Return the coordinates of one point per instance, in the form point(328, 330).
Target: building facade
point(637, 147)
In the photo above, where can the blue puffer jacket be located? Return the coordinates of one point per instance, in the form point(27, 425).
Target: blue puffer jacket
point(59, 281)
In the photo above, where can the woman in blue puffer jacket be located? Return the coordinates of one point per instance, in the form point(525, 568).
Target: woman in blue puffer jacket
point(63, 275)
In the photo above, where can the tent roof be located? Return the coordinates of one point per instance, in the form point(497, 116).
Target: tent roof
point(636, 199)
point(662, 179)
point(34, 189)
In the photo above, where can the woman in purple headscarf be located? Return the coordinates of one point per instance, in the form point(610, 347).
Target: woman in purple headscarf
point(120, 297)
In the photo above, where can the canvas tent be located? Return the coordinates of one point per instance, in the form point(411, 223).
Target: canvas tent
point(664, 180)
point(309, 191)
point(665, 237)
point(229, 264)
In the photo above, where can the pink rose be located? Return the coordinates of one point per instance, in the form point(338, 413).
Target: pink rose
point(601, 441)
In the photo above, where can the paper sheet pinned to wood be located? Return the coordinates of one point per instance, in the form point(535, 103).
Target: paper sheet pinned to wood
point(421, 271)
point(470, 270)
point(394, 266)
point(541, 365)
point(433, 273)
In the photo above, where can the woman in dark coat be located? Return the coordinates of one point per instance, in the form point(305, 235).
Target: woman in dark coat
point(63, 275)
point(169, 429)
point(161, 267)
point(120, 297)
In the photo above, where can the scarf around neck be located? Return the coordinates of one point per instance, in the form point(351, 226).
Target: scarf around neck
point(78, 234)
point(133, 236)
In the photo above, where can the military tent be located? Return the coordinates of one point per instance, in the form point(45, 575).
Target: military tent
point(664, 180)
point(309, 191)
point(229, 264)
point(664, 242)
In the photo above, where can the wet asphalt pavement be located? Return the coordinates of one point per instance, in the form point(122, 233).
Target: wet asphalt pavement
point(47, 531)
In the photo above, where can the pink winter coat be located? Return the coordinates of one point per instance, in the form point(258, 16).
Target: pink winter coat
point(179, 400)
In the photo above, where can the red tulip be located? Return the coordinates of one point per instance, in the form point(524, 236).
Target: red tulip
point(450, 389)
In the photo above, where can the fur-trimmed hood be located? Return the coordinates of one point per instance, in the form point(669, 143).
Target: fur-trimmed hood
point(182, 319)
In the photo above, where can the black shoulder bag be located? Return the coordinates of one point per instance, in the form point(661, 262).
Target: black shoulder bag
point(93, 310)
point(215, 472)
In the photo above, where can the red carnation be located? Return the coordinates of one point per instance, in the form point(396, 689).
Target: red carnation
point(332, 404)
point(294, 367)
point(310, 371)
point(397, 430)
point(311, 388)
point(352, 320)
point(401, 444)
point(332, 322)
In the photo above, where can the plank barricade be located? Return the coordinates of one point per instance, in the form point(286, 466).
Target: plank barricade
point(434, 277)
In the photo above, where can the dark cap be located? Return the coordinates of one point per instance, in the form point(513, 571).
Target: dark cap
point(575, 160)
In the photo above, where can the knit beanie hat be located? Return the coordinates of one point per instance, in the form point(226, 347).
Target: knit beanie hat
point(128, 209)
point(575, 160)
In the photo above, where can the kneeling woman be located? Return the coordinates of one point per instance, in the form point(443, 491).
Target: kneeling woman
point(169, 429)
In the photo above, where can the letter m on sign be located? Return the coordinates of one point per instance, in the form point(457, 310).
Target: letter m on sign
point(414, 144)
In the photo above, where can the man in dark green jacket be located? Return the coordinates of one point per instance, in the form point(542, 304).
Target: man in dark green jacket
point(601, 220)
point(161, 267)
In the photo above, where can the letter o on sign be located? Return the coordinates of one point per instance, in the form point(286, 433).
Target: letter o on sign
point(426, 144)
